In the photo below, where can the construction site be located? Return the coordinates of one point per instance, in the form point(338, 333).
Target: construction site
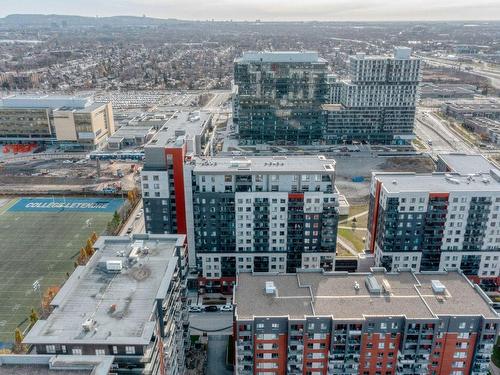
point(73, 176)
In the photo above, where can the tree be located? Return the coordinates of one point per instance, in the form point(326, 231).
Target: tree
point(33, 317)
point(18, 341)
point(89, 249)
point(93, 238)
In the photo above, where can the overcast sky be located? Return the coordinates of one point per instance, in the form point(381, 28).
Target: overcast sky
point(327, 10)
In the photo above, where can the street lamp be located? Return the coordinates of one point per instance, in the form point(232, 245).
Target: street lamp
point(37, 288)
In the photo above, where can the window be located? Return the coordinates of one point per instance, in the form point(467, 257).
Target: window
point(130, 349)
point(100, 352)
point(50, 349)
point(76, 351)
point(115, 349)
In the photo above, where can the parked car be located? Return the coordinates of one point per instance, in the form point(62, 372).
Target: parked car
point(129, 230)
point(211, 308)
point(195, 309)
point(226, 308)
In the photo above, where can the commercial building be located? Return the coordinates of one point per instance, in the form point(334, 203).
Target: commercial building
point(72, 122)
point(128, 301)
point(130, 136)
point(362, 323)
point(45, 364)
point(267, 214)
point(433, 222)
point(377, 102)
point(277, 97)
point(488, 129)
point(447, 91)
point(464, 109)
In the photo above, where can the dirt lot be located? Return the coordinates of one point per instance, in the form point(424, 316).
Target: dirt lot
point(62, 175)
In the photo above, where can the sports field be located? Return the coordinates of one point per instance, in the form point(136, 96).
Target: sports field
point(40, 239)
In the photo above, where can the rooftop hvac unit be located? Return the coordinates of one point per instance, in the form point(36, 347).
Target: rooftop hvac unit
point(270, 288)
point(114, 265)
point(386, 286)
point(372, 284)
point(438, 287)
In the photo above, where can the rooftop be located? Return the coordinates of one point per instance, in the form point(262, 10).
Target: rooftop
point(111, 299)
point(281, 57)
point(33, 364)
point(439, 182)
point(265, 164)
point(46, 101)
point(335, 294)
point(182, 123)
point(465, 163)
point(490, 104)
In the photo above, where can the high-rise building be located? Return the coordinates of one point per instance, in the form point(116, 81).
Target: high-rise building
point(362, 323)
point(277, 97)
point(377, 102)
point(263, 214)
point(128, 301)
point(72, 122)
point(267, 214)
point(163, 181)
point(433, 222)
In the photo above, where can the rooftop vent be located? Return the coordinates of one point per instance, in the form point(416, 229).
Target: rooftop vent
point(452, 180)
point(372, 284)
point(438, 287)
point(386, 286)
point(270, 287)
point(88, 325)
point(356, 285)
point(394, 182)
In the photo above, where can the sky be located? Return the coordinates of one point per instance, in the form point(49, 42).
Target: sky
point(268, 10)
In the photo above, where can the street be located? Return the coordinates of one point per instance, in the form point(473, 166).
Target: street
point(214, 323)
point(217, 346)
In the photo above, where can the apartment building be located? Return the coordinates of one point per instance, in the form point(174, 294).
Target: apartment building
point(163, 179)
point(268, 214)
point(377, 102)
point(72, 122)
point(277, 97)
point(128, 301)
point(433, 222)
point(377, 323)
point(263, 214)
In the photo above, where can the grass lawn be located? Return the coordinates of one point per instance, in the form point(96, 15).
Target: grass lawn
point(353, 236)
point(37, 246)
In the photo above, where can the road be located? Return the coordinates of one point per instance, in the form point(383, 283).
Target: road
point(211, 321)
point(216, 364)
point(429, 127)
point(136, 224)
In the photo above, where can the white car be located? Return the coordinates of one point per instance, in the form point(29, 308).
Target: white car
point(227, 308)
point(195, 309)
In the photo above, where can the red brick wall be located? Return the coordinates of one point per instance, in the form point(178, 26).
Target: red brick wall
point(374, 341)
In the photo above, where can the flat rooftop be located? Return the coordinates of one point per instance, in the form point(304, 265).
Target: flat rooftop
point(37, 364)
point(265, 164)
point(281, 57)
point(182, 123)
point(45, 101)
point(333, 294)
point(119, 302)
point(466, 164)
point(439, 182)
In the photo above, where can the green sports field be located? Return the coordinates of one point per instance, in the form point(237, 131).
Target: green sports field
point(37, 245)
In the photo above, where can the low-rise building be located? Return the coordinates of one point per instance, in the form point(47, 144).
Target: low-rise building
point(462, 110)
point(362, 323)
point(128, 301)
point(447, 91)
point(487, 128)
point(463, 163)
point(72, 122)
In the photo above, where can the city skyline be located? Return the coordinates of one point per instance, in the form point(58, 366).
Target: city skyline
point(321, 10)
